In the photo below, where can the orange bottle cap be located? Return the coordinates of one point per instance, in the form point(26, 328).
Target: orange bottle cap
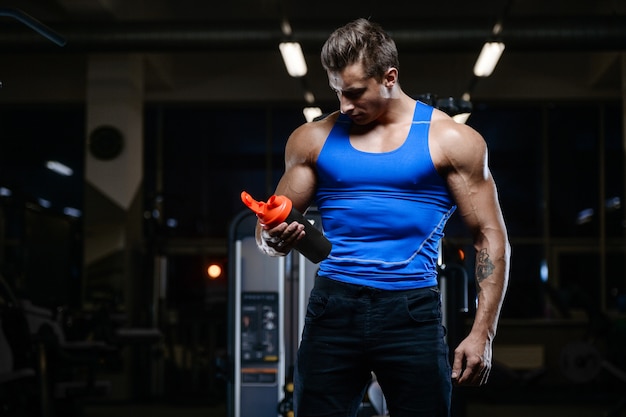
point(273, 212)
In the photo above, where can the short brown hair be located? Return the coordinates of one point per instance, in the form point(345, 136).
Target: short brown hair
point(360, 41)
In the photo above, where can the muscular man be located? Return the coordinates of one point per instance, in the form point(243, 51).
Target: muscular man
point(386, 173)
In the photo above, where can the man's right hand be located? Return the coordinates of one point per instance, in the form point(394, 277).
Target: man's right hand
point(279, 240)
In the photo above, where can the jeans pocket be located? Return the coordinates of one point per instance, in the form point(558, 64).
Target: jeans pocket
point(316, 307)
point(424, 306)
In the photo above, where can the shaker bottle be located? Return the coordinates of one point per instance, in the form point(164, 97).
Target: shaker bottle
point(314, 246)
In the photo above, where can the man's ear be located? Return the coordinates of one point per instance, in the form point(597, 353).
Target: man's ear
point(391, 77)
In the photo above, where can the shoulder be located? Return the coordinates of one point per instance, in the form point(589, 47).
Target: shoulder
point(316, 129)
point(455, 146)
point(309, 138)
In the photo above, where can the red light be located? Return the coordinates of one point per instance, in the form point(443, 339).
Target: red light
point(214, 271)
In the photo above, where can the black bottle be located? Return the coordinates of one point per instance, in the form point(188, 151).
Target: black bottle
point(314, 246)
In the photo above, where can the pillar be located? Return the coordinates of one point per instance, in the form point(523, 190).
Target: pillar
point(113, 209)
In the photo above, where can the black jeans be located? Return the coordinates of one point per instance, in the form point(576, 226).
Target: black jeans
point(351, 331)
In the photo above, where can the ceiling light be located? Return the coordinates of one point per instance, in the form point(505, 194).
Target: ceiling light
point(293, 58)
point(584, 216)
point(488, 58)
point(285, 27)
point(309, 97)
point(497, 28)
point(311, 113)
point(72, 212)
point(59, 168)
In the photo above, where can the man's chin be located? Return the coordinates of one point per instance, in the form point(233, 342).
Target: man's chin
point(359, 119)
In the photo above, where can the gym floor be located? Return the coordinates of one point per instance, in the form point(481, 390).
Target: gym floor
point(154, 410)
point(473, 410)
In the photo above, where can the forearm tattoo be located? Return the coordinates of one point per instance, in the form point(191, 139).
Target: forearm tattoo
point(484, 266)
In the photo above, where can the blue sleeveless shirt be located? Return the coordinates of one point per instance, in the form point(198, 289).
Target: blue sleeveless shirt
point(383, 212)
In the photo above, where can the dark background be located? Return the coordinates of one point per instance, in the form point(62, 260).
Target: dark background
point(216, 116)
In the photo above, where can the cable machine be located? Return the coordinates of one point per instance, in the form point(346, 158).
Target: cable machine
point(267, 305)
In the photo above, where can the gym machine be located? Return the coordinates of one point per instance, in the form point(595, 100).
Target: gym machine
point(267, 305)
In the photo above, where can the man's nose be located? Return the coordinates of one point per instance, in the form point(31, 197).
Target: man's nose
point(345, 105)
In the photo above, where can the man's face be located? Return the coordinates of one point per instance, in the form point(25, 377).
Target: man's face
point(361, 98)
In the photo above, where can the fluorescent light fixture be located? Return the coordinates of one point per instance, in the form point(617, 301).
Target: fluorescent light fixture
point(584, 216)
point(461, 117)
point(488, 58)
point(59, 168)
point(311, 113)
point(285, 27)
point(72, 212)
point(497, 28)
point(293, 58)
point(309, 97)
point(44, 203)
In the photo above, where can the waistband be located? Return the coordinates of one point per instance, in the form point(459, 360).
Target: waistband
point(352, 290)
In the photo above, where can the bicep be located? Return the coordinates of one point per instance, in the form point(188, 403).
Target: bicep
point(477, 202)
point(299, 181)
point(298, 184)
point(473, 187)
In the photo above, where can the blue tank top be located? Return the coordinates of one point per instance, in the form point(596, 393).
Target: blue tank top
point(383, 212)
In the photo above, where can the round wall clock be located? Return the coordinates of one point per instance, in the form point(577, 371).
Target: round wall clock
point(106, 142)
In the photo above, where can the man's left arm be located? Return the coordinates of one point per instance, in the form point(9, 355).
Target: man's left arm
point(473, 356)
point(474, 190)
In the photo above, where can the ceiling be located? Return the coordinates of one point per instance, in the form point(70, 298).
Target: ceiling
point(227, 50)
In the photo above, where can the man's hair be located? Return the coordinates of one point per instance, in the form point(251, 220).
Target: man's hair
point(360, 41)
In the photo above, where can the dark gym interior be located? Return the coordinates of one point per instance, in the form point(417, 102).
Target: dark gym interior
point(163, 111)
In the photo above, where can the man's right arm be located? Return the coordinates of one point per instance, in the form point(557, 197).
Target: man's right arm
point(298, 183)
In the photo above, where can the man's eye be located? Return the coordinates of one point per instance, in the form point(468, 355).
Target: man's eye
point(353, 94)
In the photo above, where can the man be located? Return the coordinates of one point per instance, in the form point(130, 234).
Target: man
point(386, 173)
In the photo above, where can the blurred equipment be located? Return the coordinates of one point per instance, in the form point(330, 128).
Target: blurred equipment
point(267, 304)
